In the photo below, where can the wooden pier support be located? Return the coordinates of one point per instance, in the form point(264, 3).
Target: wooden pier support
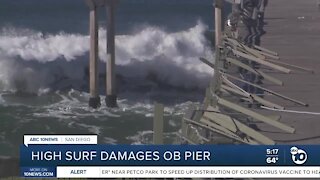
point(94, 100)
point(111, 97)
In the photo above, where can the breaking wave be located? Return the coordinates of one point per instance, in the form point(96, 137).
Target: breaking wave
point(32, 61)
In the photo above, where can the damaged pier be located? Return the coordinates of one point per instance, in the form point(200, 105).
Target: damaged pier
point(254, 96)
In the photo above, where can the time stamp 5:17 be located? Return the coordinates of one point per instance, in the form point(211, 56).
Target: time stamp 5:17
point(272, 156)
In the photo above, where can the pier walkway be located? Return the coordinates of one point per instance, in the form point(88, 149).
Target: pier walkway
point(293, 30)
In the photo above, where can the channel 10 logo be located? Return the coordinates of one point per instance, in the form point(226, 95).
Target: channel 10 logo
point(299, 156)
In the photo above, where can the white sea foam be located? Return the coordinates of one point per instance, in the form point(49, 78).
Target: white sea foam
point(15, 76)
point(146, 137)
point(171, 57)
point(91, 128)
point(32, 45)
point(43, 91)
point(108, 140)
point(142, 137)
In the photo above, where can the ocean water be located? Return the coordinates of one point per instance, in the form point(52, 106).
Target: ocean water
point(44, 58)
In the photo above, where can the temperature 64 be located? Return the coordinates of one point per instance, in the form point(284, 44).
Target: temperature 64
point(272, 160)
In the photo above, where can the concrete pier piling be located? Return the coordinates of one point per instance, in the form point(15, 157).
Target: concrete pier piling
point(94, 100)
point(218, 22)
point(218, 40)
point(158, 124)
point(111, 97)
point(9, 167)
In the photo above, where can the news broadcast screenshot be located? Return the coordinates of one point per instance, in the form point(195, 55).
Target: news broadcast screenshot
point(159, 89)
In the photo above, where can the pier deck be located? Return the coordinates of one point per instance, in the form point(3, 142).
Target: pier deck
point(293, 30)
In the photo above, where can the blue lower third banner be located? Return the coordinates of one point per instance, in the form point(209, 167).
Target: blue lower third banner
point(170, 161)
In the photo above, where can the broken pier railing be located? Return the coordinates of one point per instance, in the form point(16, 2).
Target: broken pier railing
point(229, 113)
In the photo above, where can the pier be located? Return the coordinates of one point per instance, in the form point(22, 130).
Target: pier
point(276, 110)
